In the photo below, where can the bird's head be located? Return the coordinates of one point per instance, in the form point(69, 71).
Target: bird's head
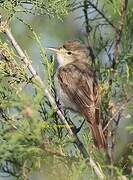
point(71, 51)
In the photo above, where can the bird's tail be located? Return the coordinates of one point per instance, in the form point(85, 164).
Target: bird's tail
point(94, 120)
point(98, 136)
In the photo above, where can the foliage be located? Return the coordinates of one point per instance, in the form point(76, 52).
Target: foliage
point(51, 8)
point(32, 137)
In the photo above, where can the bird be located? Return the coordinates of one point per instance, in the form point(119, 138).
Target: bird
point(76, 86)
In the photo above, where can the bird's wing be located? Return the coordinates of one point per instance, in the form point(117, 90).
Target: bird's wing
point(79, 83)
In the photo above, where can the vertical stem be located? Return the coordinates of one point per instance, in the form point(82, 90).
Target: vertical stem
point(123, 8)
point(87, 25)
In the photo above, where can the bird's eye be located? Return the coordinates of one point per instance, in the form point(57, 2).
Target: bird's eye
point(69, 53)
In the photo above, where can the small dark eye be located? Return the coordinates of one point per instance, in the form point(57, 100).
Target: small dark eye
point(69, 53)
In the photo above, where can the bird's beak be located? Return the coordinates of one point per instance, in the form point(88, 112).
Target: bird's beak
point(56, 50)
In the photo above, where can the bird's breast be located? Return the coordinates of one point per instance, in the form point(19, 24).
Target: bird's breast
point(62, 96)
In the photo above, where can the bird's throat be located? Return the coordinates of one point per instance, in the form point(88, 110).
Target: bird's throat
point(60, 60)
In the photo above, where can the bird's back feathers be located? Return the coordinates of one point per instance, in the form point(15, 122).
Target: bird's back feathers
point(78, 82)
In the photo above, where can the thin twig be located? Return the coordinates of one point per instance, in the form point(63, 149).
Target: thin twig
point(120, 30)
point(25, 60)
point(88, 28)
point(117, 112)
point(87, 25)
point(102, 14)
point(112, 135)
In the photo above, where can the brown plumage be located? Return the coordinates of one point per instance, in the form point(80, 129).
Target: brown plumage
point(79, 83)
point(77, 88)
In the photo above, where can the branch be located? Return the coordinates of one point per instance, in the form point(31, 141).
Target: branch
point(119, 31)
point(88, 28)
point(123, 7)
point(120, 109)
point(87, 25)
point(4, 28)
